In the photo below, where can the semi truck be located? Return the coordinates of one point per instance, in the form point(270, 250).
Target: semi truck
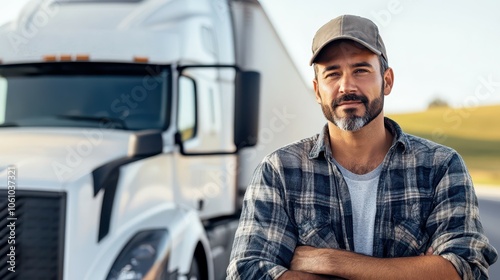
point(129, 130)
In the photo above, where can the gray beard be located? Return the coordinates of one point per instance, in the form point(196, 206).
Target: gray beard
point(352, 122)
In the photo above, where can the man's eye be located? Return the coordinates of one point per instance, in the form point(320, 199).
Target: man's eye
point(360, 71)
point(333, 74)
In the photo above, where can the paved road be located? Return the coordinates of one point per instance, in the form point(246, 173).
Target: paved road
point(489, 209)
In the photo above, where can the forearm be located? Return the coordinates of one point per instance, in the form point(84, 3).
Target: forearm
point(351, 265)
point(299, 275)
point(357, 266)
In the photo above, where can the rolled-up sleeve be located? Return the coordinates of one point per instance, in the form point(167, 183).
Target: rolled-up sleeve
point(457, 231)
point(265, 239)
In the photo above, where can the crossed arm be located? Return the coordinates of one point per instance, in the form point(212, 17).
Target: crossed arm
point(311, 263)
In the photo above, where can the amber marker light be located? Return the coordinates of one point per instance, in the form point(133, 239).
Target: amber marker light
point(50, 58)
point(65, 57)
point(82, 57)
point(141, 59)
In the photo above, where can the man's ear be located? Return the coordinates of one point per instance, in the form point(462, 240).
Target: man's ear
point(316, 90)
point(388, 81)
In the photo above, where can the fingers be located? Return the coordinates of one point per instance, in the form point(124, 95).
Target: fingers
point(429, 252)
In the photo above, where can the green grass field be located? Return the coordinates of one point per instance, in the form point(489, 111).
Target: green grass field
point(473, 132)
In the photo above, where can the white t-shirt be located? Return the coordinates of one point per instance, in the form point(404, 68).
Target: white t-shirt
point(363, 192)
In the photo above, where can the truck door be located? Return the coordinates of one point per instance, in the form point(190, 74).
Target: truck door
point(205, 122)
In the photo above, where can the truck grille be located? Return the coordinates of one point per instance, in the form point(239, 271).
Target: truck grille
point(39, 235)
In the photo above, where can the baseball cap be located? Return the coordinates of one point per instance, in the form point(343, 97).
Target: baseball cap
point(350, 27)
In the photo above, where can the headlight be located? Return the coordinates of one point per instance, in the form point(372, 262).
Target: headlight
point(138, 257)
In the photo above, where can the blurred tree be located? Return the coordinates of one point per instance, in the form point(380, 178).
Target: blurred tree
point(438, 102)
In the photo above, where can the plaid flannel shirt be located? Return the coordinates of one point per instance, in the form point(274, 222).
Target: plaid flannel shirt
point(298, 197)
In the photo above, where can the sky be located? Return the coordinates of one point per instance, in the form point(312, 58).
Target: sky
point(447, 49)
point(438, 49)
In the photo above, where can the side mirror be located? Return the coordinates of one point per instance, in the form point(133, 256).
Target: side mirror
point(246, 109)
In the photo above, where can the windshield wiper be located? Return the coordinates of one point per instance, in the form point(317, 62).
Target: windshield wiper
point(104, 120)
point(9, 124)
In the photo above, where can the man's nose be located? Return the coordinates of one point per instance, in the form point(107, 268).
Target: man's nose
point(346, 84)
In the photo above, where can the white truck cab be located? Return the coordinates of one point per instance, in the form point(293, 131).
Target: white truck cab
point(130, 129)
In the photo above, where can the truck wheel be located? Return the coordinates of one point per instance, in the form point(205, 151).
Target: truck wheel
point(194, 272)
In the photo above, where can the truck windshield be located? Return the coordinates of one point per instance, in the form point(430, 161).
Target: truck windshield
point(84, 94)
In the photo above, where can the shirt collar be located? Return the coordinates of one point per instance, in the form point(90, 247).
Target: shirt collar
point(322, 142)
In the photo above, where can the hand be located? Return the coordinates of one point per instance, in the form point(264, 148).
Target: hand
point(429, 252)
point(312, 260)
point(307, 259)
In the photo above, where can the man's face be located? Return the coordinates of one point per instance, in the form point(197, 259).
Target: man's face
point(349, 85)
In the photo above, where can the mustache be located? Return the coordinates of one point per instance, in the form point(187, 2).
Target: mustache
point(349, 97)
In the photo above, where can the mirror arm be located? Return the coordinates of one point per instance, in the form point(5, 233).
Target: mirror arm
point(180, 143)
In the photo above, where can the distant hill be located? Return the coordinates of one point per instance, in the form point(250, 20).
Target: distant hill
point(474, 132)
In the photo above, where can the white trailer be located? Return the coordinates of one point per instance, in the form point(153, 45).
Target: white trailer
point(129, 130)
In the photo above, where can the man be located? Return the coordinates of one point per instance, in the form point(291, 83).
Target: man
point(361, 200)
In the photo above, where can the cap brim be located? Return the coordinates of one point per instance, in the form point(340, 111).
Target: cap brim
point(368, 46)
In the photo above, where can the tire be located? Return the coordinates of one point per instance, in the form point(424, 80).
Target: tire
point(194, 271)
